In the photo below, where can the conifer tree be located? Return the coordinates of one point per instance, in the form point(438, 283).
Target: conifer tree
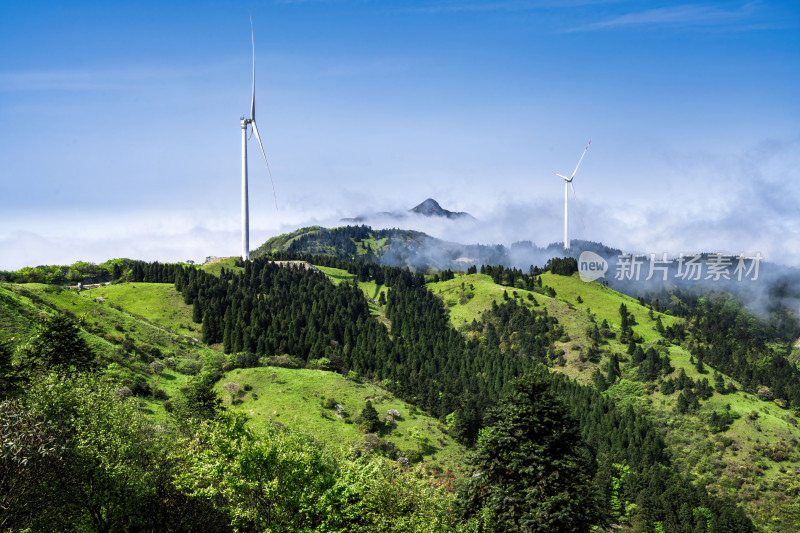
point(60, 346)
point(369, 418)
point(533, 472)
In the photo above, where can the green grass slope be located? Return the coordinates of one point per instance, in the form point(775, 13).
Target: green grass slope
point(130, 325)
point(282, 242)
point(157, 302)
point(297, 398)
point(215, 266)
point(16, 315)
point(468, 296)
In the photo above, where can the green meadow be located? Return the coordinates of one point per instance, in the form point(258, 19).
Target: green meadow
point(298, 397)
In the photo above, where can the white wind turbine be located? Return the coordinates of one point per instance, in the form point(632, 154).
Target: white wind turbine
point(567, 184)
point(245, 122)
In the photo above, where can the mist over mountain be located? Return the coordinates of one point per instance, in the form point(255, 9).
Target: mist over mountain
point(431, 208)
point(761, 286)
point(428, 208)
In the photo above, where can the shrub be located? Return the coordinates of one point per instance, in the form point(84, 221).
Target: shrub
point(246, 360)
point(413, 456)
point(284, 361)
point(189, 367)
point(323, 363)
point(248, 387)
point(140, 388)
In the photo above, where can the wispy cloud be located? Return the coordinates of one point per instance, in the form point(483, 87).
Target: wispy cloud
point(683, 15)
point(447, 6)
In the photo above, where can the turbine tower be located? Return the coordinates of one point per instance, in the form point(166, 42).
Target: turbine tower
point(567, 184)
point(251, 120)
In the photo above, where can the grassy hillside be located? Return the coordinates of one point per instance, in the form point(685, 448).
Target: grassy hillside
point(468, 296)
point(129, 325)
point(389, 246)
point(134, 324)
point(215, 266)
point(16, 315)
point(297, 398)
point(755, 460)
point(282, 242)
point(157, 302)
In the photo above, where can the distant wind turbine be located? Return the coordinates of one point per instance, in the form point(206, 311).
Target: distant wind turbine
point(245, 122)
point(568, 183)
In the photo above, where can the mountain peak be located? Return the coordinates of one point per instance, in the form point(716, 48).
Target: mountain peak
point(431, 207)
point(428, 208)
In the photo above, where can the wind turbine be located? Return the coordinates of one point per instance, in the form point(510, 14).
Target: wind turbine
point(568, 183)
point(252, 121)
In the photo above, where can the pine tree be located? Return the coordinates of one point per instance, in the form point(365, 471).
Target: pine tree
point(197, 311)
point(631, 347)
point(369, 418)
point(719, 383)
point(60, 346)
point(226, 340)
point(207, 329)
point(533, 472)
point(682, 403)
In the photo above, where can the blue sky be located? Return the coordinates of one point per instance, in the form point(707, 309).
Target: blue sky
point(120, 136)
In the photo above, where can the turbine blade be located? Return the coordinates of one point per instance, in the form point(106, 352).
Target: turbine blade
point(560, 176)
point(576, 204)
point(581, 159)
point(258, 138)
point(253, 44)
